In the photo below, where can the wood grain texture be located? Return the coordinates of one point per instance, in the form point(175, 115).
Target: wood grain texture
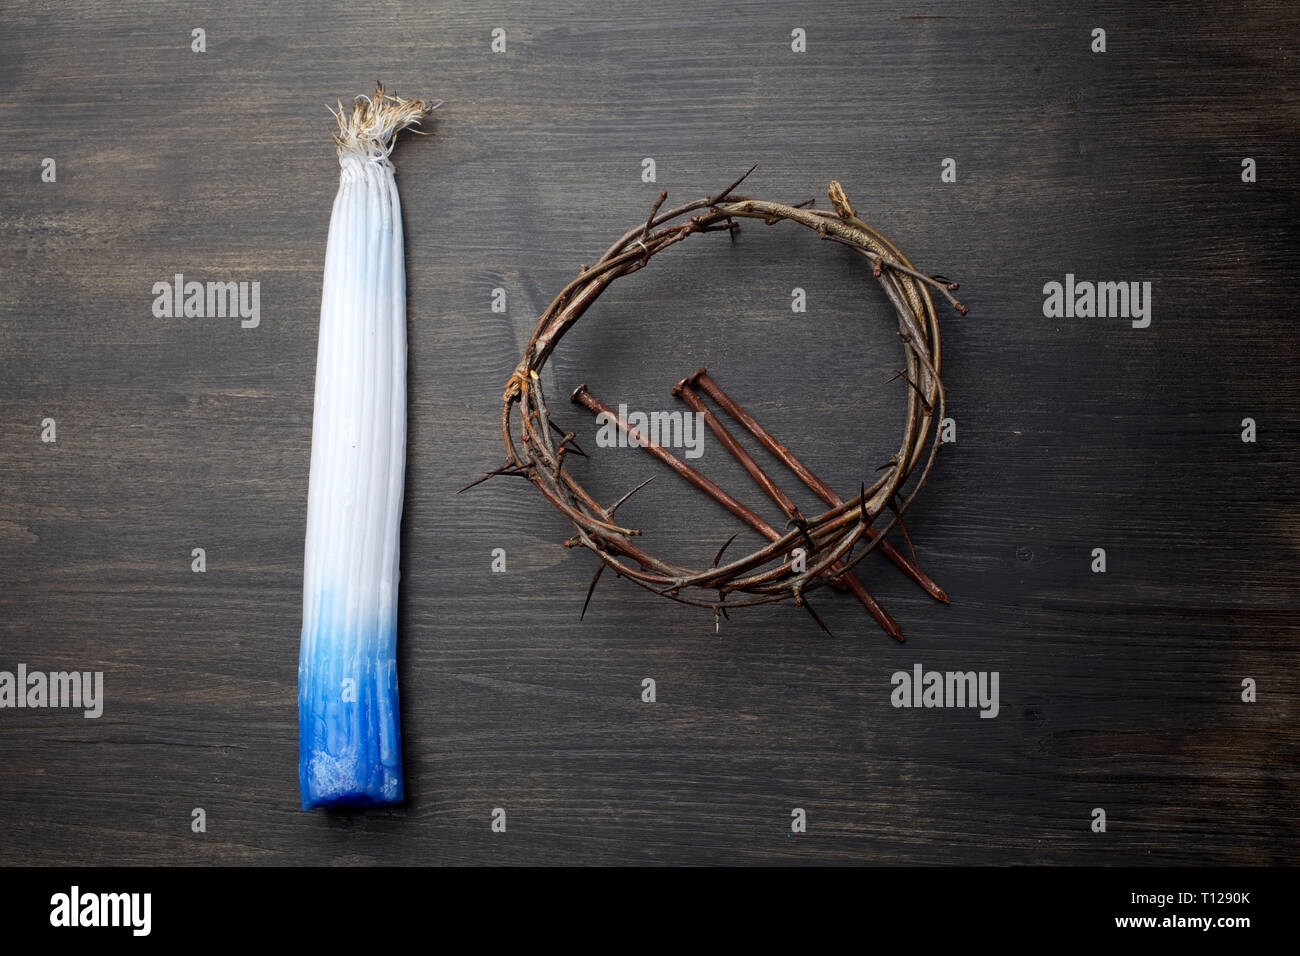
point(1118, 690)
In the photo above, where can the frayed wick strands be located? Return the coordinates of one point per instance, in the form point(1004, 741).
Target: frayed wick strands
point(372, 126)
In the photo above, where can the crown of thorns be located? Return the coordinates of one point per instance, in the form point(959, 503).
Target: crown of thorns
point(810, 551)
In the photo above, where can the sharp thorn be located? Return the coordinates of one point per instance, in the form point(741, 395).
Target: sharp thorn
point(906, 536)
point(718, 557)
point(820, 623)
point(615, 506)
point(506, 469)
point(570, 438)
point(714, 200)
point(590, 588)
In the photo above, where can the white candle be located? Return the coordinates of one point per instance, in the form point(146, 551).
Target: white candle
point(349, 730)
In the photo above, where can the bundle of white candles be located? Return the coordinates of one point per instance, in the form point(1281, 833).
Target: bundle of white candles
point(349, 729)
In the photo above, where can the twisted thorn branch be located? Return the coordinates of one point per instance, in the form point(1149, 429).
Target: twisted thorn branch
point(765, 576)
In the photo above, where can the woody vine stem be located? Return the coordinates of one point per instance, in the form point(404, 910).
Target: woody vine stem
point(829, 539)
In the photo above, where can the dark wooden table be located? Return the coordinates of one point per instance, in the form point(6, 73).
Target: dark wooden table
point(1119, 690)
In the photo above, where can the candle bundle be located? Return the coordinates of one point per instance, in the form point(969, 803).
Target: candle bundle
point(348, 723)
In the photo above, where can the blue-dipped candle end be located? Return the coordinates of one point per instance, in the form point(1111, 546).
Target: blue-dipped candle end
point(349, 737)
